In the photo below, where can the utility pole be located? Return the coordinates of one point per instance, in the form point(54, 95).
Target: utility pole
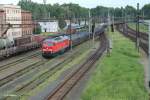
point(45, 13)
point(125, 22)
point(93, 31)
point(122, 13)
point(149, 56)
point(112, 24)
point(70, 30)
point(137, 29)
point(70, 36)
point(113, 21)
point(49, 15)
point(89, 23)
point(109, 24)
point(122, 17)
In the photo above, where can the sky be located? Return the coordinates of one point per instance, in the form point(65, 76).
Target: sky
point(89, 3)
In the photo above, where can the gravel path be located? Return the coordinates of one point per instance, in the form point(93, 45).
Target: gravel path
point(144, 62)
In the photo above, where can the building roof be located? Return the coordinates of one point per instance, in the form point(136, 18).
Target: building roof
point(9, 6)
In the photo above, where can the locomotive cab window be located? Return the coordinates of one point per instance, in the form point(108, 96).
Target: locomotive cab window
point(49, 44)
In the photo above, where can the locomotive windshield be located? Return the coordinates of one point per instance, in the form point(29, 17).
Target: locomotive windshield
point(48, 43)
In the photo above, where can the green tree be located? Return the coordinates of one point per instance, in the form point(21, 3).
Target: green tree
point(146, 10)
point(130, 11)
point(62, 23)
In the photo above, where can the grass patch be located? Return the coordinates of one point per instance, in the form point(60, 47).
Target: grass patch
point(118, 77)
point(142, 27)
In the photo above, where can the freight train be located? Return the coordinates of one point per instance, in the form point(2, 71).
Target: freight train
point(20, 45)
point(5, 43)
point(52, 46)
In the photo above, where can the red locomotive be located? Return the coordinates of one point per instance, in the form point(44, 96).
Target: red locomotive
point(59, 44)
point(55, 45)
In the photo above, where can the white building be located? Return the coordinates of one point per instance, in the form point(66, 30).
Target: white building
point(49, 26)
point(13, 16)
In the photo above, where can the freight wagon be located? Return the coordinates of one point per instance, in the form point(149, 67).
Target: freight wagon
point(8, 48)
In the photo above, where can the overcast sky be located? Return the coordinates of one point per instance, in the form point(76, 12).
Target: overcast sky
point(89, 3)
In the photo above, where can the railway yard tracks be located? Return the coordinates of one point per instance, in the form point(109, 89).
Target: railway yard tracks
point(143, 42)
point(70, 81)
point(21, 76)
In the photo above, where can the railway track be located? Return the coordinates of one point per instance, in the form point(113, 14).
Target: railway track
point(69, 82)
point(11, 64)
point(141, 34)
point(13, 75)
point(132, 35)
point(45, 75)
point(53, 68)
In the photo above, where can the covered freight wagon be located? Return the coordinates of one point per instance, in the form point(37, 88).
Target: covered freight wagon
point(22, 40)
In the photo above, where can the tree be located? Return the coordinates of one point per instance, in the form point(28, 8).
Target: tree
point(62, 23)
point(40, 11)
point(146, 10)
point(130, 11)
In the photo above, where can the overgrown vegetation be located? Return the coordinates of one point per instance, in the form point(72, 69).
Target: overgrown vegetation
point(118, 77)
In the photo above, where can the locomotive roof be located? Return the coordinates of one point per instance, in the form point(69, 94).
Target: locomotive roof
point(56, 39)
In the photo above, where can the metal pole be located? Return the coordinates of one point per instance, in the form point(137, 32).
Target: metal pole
point(70, 36)
point(70, 28)
point(149, 56)
point(109, 24)
point(45, 14)
point(93, 28)
point(137, 28)
point(125, 22)
point(49, 15)
point(113, 22)
point(122, 13)
point(89, 23)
